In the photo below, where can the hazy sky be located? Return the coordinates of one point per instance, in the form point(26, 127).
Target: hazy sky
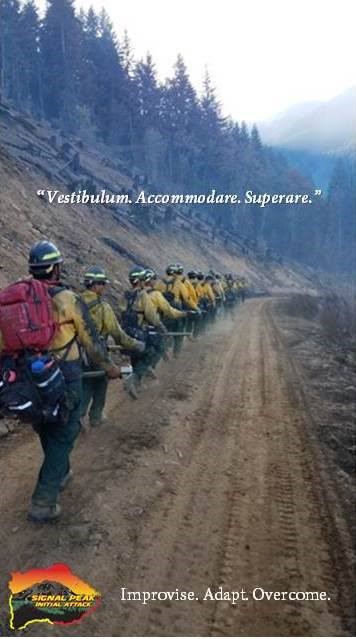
point(262, 55)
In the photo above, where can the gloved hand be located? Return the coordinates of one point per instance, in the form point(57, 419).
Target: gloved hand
point(113, 372)
point(193, 314)
point(140, 347)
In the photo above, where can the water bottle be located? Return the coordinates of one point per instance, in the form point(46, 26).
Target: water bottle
point(38, 366)
point(49, 381)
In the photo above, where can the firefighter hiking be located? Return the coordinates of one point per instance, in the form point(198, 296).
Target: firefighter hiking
point(57, 348)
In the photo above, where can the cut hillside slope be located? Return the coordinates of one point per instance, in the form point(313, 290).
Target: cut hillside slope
point(34, 156)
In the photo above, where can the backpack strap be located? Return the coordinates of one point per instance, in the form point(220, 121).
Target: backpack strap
point(94, 304)
point(131, 297)
point(66, 348)
point(169, 285)
point(58, 288)
point(53, 291)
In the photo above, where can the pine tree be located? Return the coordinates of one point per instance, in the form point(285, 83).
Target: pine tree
point(130, 98)
point(60, 48)
point(88, 67)
point(256, 139)
point(110, 108)
point(147, 92)
point(340, 235)
point(181, 100)
point(212, 135)
point(10, 56)
point(31, 80)
point(180, 116)
point(127, 55)
point(214, 122)
point(244, 135)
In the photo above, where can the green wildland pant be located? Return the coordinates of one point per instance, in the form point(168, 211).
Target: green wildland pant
point(142, 361)
point(94, 394)
point(57, 440)
point(176, 326)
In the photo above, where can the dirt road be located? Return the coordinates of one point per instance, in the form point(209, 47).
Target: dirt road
point(213, 478)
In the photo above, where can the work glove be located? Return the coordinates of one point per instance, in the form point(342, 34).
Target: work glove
point(113, 372)
point(193, 314)
point(140, 347)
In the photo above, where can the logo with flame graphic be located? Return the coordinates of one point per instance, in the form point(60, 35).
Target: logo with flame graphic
point(52, 595)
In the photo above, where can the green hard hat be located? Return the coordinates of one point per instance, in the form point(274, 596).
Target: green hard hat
point(95, 275)
point(137, 274)
point(150, 274)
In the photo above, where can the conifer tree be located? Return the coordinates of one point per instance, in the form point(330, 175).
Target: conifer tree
point(10, 56)
point(256, 139)
point(181, 112)
point(213, 129)
point(147, 92)
point(60, 49)
point(31, 81)
point(340, 236)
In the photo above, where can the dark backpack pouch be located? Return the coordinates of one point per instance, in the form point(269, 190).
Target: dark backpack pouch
point(20, 400)
point(32, 398)
point(169, 295)
point(129, 318)
point(153, 338)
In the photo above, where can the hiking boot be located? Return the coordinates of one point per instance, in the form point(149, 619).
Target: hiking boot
point(95, 423)
point(66, 479)
point(151, 373)
point(131, 385)
point(83, 427)
point(43, 513)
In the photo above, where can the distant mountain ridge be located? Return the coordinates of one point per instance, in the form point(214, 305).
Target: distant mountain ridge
point(319, 127)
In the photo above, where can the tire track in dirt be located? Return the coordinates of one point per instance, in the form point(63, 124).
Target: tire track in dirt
point(276, 541)
point(337, 529)
point(186, 531)
point(244, 515)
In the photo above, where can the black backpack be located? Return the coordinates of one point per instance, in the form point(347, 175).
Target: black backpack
point(87, 363)
point(32, 388)
point(169, 295)
point(129, 317)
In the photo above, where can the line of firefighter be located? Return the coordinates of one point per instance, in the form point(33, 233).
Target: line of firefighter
point(84, 324)
point(156, 312)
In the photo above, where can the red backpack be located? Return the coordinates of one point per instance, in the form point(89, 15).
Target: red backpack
point(26, 316)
